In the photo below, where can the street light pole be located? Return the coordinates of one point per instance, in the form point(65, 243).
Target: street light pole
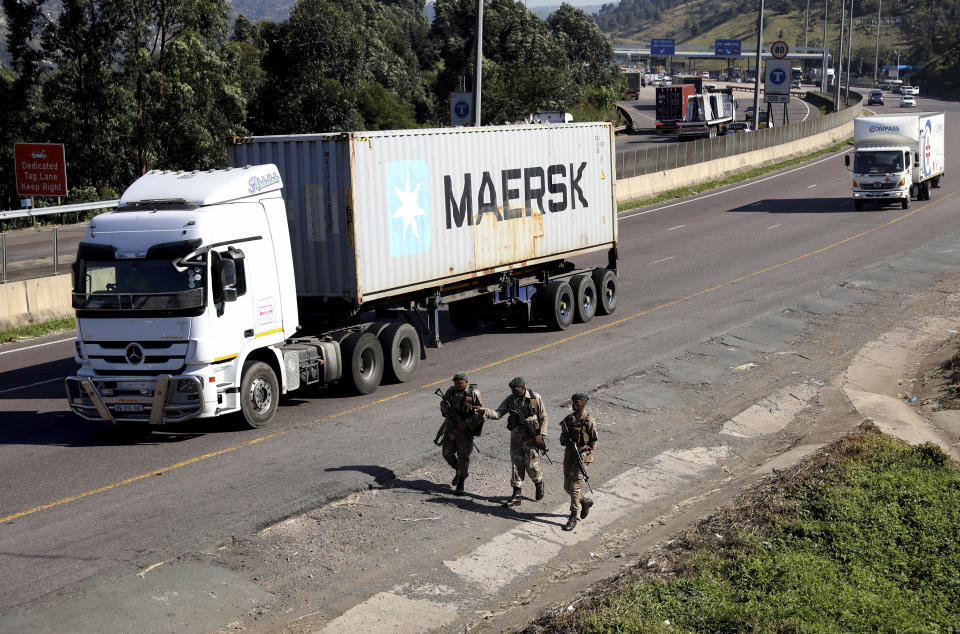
point(876, 55)
point(806, 26)
point(826, 62)
point(756, 85)
point(838, 68)
point(477, 65)
point(846, 89)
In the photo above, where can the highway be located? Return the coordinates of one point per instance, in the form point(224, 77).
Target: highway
point(85, 505)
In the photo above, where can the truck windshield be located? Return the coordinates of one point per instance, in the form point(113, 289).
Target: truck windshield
point(886, 162)
point(147, 285)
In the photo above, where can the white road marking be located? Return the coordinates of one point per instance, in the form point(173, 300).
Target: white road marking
point(495, 564)
point(811, 186)
point(677, 227)
point(23, 387)
point(774, 226)
point(38, 345)
point(731, 189)
point(389, 612)
point(771, 414)
point(663, 260)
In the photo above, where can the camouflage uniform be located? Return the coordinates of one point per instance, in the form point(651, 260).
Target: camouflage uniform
point(458, 445)
point(582, 429)
point(523, 455)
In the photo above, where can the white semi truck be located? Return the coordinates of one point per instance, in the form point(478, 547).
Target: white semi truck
point(896, 157)
point(322, 259)
point(708, 114)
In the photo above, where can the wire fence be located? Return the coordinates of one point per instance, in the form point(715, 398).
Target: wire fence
point(661, 157)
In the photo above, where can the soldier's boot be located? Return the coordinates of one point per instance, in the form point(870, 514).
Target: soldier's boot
point(571, 521)
point(456, 479)
point(514, 499)
point(540, 489)
point(460, 482)
point(585, 505)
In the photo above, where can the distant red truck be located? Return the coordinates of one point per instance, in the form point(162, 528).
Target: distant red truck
point(672, 105)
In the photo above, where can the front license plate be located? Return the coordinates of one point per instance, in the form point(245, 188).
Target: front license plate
point(129, 407)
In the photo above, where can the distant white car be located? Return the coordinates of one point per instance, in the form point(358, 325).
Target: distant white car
point(909, 90)
point(908, 101)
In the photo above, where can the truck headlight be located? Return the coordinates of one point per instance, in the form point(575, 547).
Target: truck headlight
point(902, 181)
point(854, 182)
point(187, 386)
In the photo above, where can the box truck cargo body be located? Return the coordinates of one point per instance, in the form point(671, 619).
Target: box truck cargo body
point(672, 105)
point(326, 258)
point(896, 157)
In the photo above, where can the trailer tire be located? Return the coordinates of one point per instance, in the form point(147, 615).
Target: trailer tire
point(936, 183)
point(462, 315)
point(401, 346)
point(363, 352)
point(259, 393)
point(560, 305)
point(585, 296)
point(606, 282)
point(858, 205)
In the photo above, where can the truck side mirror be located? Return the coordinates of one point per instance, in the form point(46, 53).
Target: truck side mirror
point(846, 160)
point(916, 158)
point(227, 271)
point(908, 159)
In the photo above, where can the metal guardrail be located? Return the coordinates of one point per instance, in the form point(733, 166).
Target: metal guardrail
point(663, 157)
point(59, 209)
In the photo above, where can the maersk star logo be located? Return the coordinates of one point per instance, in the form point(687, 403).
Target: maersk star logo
point(408, 204)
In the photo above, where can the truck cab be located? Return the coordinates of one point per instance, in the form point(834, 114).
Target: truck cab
point(181, 300)
point(881, 174)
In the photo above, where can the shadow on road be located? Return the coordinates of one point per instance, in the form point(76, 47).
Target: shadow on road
point(487, 505)
point(799, 206)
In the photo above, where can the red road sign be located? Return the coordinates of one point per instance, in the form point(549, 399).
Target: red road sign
point(779, 49)
point(41, 169)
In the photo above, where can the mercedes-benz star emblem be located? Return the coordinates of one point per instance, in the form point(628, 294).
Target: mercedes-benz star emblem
point(134, 354)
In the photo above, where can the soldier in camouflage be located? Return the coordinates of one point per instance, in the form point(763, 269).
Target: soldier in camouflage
point(527, 422)
point(579, 435)
point(461, 424)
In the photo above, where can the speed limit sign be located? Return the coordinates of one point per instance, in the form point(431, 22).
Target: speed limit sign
point(779, 49)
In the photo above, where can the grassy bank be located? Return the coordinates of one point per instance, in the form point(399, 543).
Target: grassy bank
point(863, 538)
point(736, 178)
point(37, 330)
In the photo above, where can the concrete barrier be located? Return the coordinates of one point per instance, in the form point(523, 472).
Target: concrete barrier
point(649, 185)
point(39, 299)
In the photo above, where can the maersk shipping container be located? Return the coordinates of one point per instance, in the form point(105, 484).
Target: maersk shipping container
point(378, 214)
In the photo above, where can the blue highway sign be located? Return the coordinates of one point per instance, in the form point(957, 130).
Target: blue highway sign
point(662, 46)
point(726, 48)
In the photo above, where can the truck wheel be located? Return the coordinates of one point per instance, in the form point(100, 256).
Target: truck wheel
point(259, 393)
point(606, 282)
point(585, 295)
point(365, 356)
point(401, 346)
point(905, 202)
point(858, 205)
point(936, 183)
point(560, 306)
point(925, 190)
point(462, 315)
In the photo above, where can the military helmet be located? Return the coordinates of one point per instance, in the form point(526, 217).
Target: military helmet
point(580, 396)
point(518, 381)
point(460, 376)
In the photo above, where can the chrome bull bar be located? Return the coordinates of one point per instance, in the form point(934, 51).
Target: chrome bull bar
point(134, 399)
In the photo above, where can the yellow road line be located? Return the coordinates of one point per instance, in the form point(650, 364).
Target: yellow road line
point(519, 355)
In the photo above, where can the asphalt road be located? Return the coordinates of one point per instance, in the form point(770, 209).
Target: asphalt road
point(82, 502)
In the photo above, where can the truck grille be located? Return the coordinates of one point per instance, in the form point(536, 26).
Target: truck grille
point(119, 357)
point(878, 185)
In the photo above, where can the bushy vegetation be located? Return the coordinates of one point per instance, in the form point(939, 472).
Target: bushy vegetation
point(863, 541)
point(131, 85)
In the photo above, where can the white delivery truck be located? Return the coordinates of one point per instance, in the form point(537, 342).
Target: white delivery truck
point(708, 114)
point(896, 157)
point(318, 259)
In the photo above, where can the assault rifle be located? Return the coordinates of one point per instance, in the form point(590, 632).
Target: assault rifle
point(528, 425)
point(576, 453)
point(438, 440)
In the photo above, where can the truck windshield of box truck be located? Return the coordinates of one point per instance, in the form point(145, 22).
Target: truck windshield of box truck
point(878, 162)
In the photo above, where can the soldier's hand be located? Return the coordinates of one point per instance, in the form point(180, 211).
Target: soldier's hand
point(477, 409)
point(538, 439)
